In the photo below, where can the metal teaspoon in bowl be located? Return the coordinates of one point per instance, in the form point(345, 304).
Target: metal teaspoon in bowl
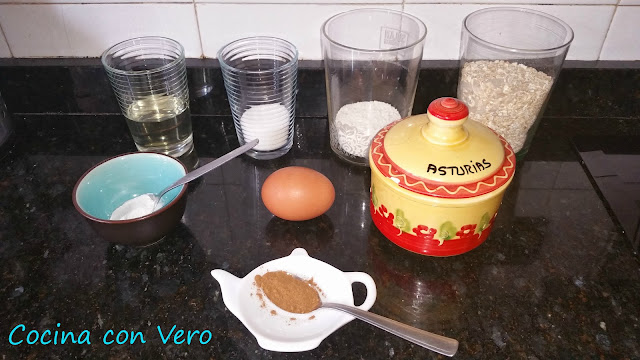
point(154, 199)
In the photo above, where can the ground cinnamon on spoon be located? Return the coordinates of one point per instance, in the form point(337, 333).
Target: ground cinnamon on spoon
point(289, 292)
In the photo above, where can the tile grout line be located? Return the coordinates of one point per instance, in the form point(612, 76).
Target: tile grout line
point(606, 36)
point(217, 2)
point(105, 2)
point(258, 2)
point(6, 41)
point(195, 11)
point(276, 2)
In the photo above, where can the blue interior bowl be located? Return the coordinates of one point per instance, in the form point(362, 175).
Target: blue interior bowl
point(110, 183)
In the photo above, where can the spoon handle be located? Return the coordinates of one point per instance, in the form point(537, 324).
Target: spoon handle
point(440, 344)
point(211, 165)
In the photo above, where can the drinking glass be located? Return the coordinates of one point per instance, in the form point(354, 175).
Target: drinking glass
point(371, 60)
point(510, 60)
point(148, 76)
point(260, 75)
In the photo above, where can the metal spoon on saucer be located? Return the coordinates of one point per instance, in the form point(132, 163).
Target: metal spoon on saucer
point(438, 343)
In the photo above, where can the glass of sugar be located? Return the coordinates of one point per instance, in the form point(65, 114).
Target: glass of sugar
point(372, 59)
point(260, 76)
point(510, 59)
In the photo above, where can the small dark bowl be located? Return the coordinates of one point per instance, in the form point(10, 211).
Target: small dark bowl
point(107, 185)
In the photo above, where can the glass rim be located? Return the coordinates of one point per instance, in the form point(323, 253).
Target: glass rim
point(568, 38)
point(227, 67)
point(420, 23)
point(121, 46)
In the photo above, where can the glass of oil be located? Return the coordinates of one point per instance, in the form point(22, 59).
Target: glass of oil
point(149, 78)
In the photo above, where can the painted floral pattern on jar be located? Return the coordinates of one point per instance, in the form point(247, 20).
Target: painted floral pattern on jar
point(447, 235)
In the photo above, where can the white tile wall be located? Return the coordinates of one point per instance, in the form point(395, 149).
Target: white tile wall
point(589, 24)
point(41, 35)
point(444, 23)
point(81, 28)
point(623, 38)
point(300, 24)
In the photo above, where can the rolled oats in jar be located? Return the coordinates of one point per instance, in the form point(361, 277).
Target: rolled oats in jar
point(510, 59)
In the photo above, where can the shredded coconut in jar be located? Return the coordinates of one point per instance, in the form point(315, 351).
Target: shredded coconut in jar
point(505, 96)
point(356, 124)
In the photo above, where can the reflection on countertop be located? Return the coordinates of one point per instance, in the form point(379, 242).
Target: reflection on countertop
point(555, 279)
point(613, 163)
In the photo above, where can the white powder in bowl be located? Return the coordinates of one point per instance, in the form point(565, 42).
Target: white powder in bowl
point(505, 96)
point(137, 207)
point(356, 124)
point(269, 123)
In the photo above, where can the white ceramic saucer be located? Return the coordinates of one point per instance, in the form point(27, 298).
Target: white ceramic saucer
point(279, 330)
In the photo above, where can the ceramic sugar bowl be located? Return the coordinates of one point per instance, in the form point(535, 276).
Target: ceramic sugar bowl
point(437, 180)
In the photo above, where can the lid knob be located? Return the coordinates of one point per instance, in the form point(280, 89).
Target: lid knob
point(448, 108)
point(446, 117)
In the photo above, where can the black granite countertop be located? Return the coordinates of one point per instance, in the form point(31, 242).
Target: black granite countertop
point(556, 279)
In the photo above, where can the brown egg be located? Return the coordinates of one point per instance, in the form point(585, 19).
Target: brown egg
point(297, 193)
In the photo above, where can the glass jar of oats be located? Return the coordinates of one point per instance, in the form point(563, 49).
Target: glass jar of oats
point(510, 59)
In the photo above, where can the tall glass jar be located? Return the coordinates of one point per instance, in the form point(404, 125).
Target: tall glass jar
point(371, 60)
point(510, 59)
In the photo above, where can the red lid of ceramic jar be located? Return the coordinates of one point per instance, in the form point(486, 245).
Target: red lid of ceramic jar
point(440, 154)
